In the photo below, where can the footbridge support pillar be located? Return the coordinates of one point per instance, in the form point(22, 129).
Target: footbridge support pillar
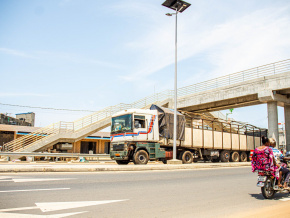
point(273, 121)
point(287, 125)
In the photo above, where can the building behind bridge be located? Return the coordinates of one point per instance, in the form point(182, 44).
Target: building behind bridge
point(24, 119)
point(97, 143)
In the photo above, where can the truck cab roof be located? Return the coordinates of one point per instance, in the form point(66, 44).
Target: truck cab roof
point(137, 111)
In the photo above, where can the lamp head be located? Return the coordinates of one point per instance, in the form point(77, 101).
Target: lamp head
point(176, 5)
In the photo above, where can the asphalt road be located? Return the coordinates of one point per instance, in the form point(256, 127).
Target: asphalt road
point(220, 192)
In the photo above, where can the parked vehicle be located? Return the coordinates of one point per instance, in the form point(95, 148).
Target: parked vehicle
point(140, 135)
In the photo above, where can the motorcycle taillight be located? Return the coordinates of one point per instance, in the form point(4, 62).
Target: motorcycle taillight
point(261, 173)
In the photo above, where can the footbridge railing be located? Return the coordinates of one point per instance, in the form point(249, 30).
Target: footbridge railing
point(81, 124)
point(242, 76)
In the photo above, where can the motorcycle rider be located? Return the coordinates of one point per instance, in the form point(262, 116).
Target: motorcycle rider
point(263, 159)
point(283, 167)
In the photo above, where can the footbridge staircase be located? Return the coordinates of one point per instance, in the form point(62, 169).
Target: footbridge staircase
point(74, 131)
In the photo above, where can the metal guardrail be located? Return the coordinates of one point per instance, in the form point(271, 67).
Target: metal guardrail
point(56, 155)
point(85, 122)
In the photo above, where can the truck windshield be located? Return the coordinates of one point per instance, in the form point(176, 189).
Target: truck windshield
point(122, 123)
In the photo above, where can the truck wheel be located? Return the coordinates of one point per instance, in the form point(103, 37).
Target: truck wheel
point(122, 162)
point(187, 157)
point(141, 157)
point(235, 157)
point(243, 157)
point(225, 156)
point(164, 161)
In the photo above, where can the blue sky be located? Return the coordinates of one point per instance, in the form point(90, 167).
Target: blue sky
point(91, 54)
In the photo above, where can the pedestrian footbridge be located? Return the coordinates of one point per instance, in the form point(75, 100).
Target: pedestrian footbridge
point(268, 83)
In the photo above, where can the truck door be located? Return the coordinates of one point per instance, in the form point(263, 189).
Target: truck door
point(150, 122)
point(140, 128)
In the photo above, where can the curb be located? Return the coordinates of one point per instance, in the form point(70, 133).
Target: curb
point(111, 168)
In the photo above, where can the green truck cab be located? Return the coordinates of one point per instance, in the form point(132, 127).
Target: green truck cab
point(135, 136)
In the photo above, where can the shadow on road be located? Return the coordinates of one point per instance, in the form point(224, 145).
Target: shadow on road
point(257, 196)
point(277, 196)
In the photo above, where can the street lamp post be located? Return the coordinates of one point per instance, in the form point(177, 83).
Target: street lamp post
point(179, 6)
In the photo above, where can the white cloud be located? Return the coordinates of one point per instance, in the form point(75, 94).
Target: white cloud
point(70, 57)
point(257, 38)
point(16, 53)
point(75, 58)
point(132, 8)
point(23, 95)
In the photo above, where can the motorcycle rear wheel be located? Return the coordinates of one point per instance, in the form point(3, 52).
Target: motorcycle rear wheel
point(268, 191)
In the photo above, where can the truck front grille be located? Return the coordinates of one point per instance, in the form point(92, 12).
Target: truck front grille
point(119, 147)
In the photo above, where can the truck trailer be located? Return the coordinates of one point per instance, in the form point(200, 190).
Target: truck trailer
point(140, 135)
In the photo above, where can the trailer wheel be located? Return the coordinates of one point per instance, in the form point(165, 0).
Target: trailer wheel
point(235, 157)
point(206, 158)
point(225, 156)
point(141, 157)
point(187, 157)
point(179, 155)
point(243, 157)
point(122, 162)
point(248, 156)
point(215, 160)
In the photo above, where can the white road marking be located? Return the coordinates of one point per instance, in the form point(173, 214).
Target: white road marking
point(6, 180)
point(54, 206)
point(12, 215)
point(285, 199)
point(18, 208)
point(33, 190)
point(5, 177)
point(40, 180)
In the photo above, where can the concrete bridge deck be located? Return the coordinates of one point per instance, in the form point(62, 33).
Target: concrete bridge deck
point(252, 92)
point(264, 84)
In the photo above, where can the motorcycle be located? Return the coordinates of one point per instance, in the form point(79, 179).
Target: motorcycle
point(269, 184)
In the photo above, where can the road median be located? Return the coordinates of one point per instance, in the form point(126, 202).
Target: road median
point(101, 167)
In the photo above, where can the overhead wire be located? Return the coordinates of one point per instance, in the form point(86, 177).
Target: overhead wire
point(46, 108)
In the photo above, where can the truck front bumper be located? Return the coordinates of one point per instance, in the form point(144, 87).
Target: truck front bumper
point(119, 155)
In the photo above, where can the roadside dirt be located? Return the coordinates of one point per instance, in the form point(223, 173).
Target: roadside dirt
point(281, 209)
